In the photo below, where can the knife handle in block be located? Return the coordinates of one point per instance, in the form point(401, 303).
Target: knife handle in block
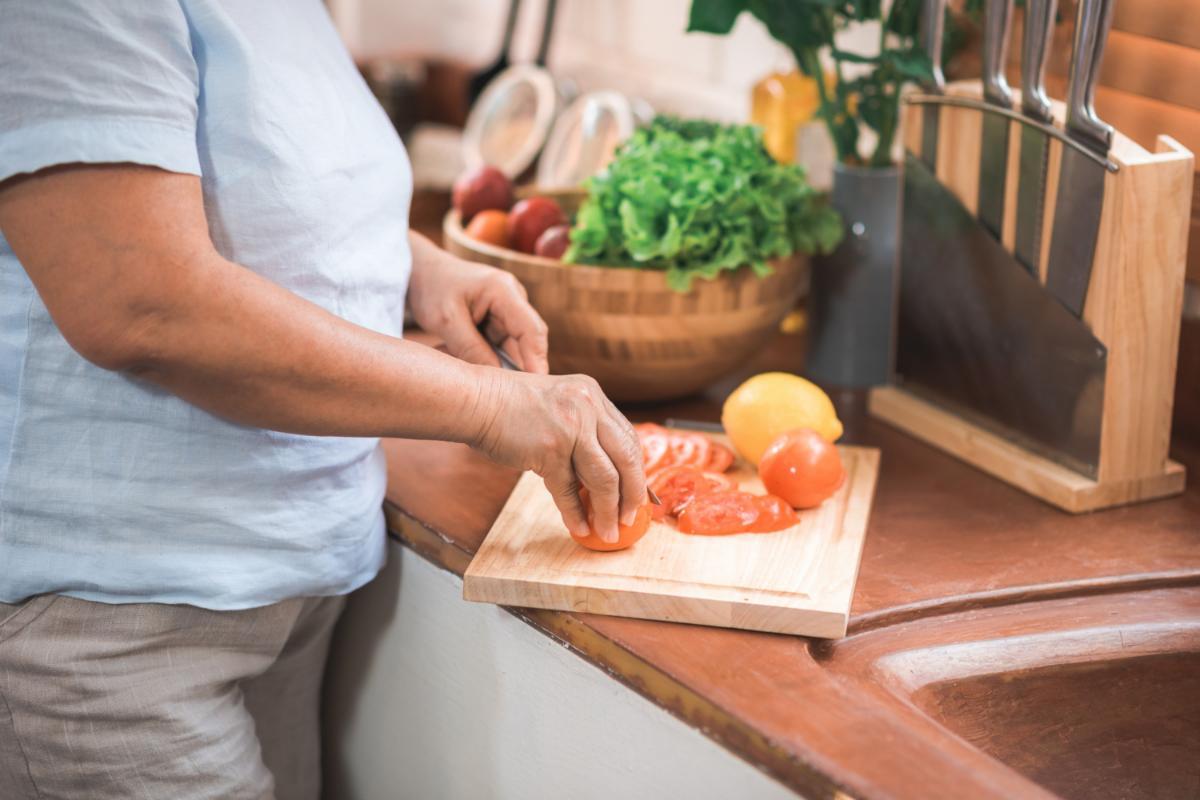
point(996, 18)
point(1039, 18)
point(933, 13)
point(1092, 22)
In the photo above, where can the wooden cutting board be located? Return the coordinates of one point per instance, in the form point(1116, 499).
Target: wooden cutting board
point(799, 580)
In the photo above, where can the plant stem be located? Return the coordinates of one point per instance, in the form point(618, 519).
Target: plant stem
point(810, 65)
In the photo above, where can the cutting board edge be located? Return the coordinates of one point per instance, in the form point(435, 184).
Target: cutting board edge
point(767, 614)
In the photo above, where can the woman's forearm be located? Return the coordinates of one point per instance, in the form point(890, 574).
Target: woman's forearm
point(243, 348)
point(122, 258)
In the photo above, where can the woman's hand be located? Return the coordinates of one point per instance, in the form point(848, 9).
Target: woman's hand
point(451, 298)
point(566, 430)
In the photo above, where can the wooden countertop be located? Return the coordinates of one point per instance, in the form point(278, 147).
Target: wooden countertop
point(943, 537)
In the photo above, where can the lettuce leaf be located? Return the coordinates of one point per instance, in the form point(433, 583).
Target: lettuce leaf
point(695, 198)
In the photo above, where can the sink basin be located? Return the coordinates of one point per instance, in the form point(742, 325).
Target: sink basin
point(1119, 728)
point(1094, 696)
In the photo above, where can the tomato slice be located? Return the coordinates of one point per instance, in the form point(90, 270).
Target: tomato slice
point(775, 514)
point(678, 486)
point(689, 449)
point(724, 513)
point(720, 514)
point(720, 458)
point(656, 444)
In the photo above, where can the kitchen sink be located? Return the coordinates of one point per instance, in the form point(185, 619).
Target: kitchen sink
point(1120, 728)
point(1090, 696)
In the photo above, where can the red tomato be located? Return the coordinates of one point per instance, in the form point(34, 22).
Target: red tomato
point(774, 515)
point(481, 189)
point(529, 219)
point(802, 468)
point(490, 226)
point(553, 242)
point(689, 449)
point(721, 514)
point(678, 486)
point(627, 535)
point(719, 459)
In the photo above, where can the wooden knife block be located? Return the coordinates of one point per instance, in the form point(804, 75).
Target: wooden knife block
point(1133, 306)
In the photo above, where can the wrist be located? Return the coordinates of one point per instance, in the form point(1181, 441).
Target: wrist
point(483, 413)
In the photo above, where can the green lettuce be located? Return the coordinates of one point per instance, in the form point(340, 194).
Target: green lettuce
point(695, 198)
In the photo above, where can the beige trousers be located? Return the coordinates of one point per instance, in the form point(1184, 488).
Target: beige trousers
point(161, 702)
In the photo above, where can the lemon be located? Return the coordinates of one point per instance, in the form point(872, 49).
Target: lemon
point(773, 403)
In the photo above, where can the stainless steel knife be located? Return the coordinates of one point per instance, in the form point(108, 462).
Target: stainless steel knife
point(933, 14)
point(1035, 144)
point(993, 150)
point(1081, 180)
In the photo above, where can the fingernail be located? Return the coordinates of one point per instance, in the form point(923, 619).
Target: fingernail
point(629, 517)
point(611, 535)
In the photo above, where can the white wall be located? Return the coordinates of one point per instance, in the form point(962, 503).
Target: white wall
point(434, 698)
point(639, 47)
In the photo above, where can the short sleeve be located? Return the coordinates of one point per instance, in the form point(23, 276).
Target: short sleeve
point(96, 81)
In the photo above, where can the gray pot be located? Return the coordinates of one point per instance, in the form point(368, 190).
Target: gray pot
point(852, 301)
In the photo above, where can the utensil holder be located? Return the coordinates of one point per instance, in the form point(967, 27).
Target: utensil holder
point(1133, 307)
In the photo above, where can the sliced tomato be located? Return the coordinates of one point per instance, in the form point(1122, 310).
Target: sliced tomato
point(627, 535)
point(724, 513)
point(689, 449)
point(721, 514)
point(658, 512)
point(720, 458)
point(678, 486)
point(775, 514)
point(656, 445)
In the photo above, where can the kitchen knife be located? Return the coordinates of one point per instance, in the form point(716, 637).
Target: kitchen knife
point(993, 150)
point(1035, 145)
point(1081, 180)
point(932, 17)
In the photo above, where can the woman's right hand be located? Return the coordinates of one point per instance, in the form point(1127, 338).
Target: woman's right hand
point(563, 428)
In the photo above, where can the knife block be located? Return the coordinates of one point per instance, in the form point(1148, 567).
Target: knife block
point(1133, 307)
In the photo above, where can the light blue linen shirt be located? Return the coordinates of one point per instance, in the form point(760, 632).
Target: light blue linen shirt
point(112, 489)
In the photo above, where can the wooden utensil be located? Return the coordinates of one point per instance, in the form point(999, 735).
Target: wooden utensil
point(799, 580)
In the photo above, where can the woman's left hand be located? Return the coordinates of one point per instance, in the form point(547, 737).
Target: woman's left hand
point(453, 298)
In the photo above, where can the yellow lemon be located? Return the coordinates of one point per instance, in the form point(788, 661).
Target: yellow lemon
point(774, 403)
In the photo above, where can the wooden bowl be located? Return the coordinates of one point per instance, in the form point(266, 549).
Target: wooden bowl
point(631, 332)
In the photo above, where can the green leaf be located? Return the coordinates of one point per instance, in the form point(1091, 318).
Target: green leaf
point(714, 16)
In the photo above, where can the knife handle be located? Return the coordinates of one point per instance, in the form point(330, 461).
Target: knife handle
point(1092, 22)
point(997, 15)
point(933, 14)
point(1039, 19)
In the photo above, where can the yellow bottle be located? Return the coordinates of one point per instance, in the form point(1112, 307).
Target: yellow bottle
point(781, 102)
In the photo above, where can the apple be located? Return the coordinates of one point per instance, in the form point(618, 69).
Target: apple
point(481, 189)
point(553, 242)
point(529, 219)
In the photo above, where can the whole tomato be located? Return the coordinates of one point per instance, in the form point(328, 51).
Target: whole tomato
point(491, 226)
point(481, 189)
point(801, 467)
point(553, 242)
point(529, 219)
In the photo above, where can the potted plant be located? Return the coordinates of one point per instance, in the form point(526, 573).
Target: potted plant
point(852, 295)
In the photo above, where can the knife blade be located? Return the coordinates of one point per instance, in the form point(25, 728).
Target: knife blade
point(1080, 198)
point(1035, 145)
point(933, 14)
point(993, 150)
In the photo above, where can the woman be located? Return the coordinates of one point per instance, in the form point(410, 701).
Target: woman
point(203, 275)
